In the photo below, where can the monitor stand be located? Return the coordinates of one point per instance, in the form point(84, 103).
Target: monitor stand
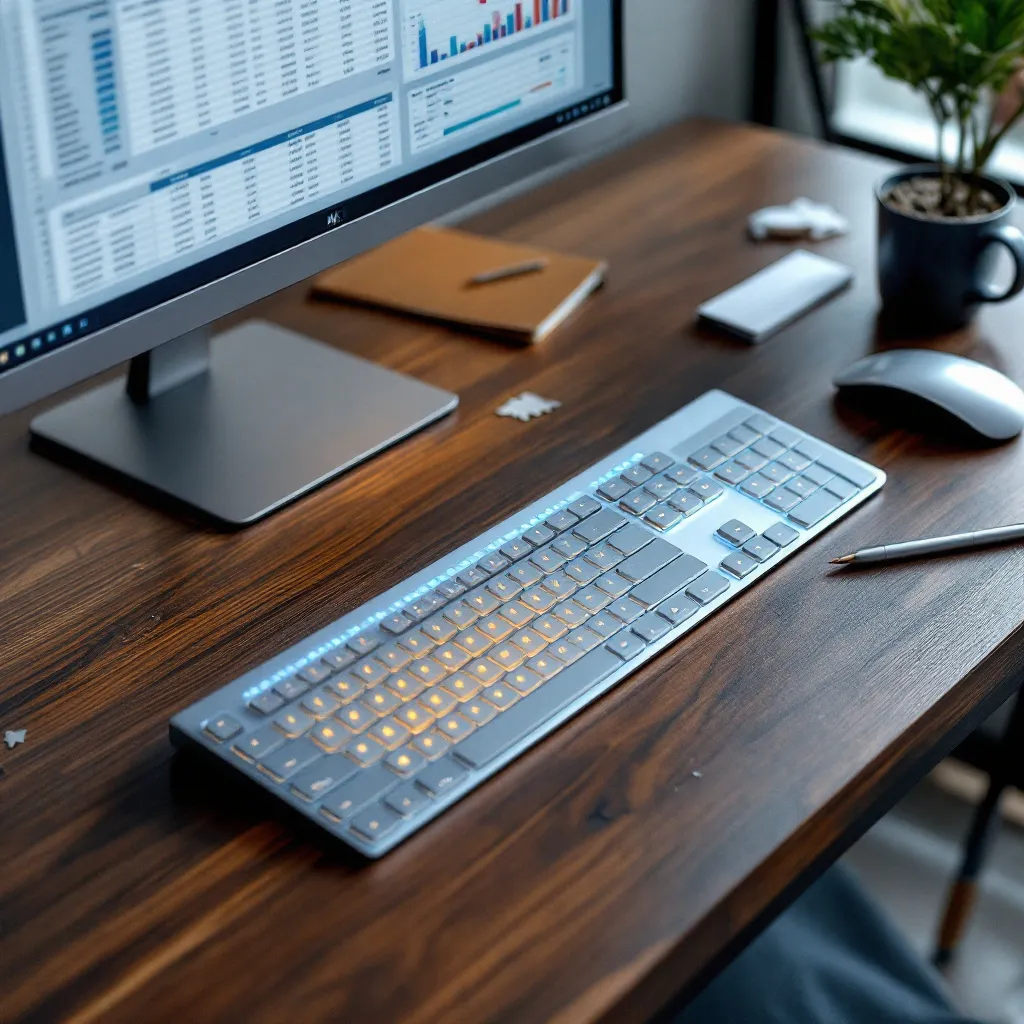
point(237, 428)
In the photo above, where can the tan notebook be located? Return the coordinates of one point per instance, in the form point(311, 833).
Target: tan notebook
point(427, 273)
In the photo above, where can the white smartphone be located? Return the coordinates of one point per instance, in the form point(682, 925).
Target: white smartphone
point(774, 297)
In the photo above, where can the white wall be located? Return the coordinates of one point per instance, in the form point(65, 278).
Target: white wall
point(687, 57)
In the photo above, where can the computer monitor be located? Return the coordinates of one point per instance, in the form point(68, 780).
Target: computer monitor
point(167, 162)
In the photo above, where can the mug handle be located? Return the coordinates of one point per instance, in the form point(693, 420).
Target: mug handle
point(1013, 240)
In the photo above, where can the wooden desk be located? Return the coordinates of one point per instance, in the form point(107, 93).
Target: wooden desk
point(596, 876)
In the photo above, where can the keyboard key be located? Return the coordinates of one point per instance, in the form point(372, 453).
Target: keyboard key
point(786, 436)
point(474, 642)
point(781, 534)
point(571, 614)
point(650, 627)
point(647, 561)
point(682, 475)
point(706, 490)
point(625, 609)
point(561, 521)
point(267, 703)
point(369, 672)
point(501, 696)
point(757, 486)
point(294, 723)
point(776, 474)
point(340, 659)
point(676, 575)
point(508, 656)
point(394, 657)
point(584, 639)
point(495, 627)
point(782, 500)
point(811, 512)
point(657, 462)
point(405, 762)
point(482, 602)
point(565, 651)
point(847, 468)
point(751, 460)
point(802, 487)
point(441, 776)
point(545, 665)
point(329, 736)
point(415, 718)
point(585, 506)
point(437, 701)
point(612, 584)
point(538, 535)
point(739, 564)
point(560, 585)
point(315, 673)
point(291, 689)
point(472, 577)
point(454, 727)
point(423, 606)
point(677, 609)
point(547, 560)
point(818, 475)
point(604, 556)
point(526, 573)
point(736, 532)
point(599, 526)
point(365, 751)
point(615, 489)
point(760, 549)
point(760, 423)
point(629, 540)
point(405, 686)
point(626, 645)
point(259, 744)
point(535, 709)
point(663, 517)
point(638, 502)
point(793, 461)
point(363, 788)
point(450, 589)
point(581, 572)
point(811, 449)
point(568, 546)
point(461, 687)
point(516, 549)
point(706, 588)
point(320, 704)
point(374, 824)
point(841, 488)
point(396, 624)
point(356, 717)
point(431, 745)
point(389, 732)
point(661, 488)
point(523, 681)
point(493, 563)
point(438, 629)
point(589, 598)
point(732, 473)
point(537, 599)
point(416, 643)
point(427, 671)
point(322, 776)
point(686, 503)
point(727, 446)
point(223, 727)
point(604, 625)
point(346, 689)
point(365, 643)
point(517, 613)
point(768, 448)
point(707, 459)
point(479, 712)
point(637, 475)
point(407, 799)
point(745, 435)
point(483, 671)
point(292, 757)
point(381, 701)
point(461, 615)
point(550, 628)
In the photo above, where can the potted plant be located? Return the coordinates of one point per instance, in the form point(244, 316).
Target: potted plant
point(940, 224)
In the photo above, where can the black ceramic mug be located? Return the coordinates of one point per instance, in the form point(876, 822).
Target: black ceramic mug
point(933, 274)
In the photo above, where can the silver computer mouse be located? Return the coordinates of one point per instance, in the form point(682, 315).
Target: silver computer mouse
point(977, 395)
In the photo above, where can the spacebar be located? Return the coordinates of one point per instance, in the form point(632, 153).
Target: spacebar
point(536, 708)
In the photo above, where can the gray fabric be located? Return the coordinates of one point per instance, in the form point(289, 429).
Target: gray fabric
point(832, 958)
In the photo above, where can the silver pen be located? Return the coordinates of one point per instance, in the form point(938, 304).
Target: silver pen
point(934, 546)
point(507, 273)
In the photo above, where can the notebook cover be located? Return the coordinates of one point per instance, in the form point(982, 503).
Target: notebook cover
point(426, 273)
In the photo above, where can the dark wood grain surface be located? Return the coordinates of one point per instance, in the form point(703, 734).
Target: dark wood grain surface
point(597, 876)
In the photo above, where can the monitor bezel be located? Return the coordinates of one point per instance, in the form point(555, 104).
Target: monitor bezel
point(368, 220)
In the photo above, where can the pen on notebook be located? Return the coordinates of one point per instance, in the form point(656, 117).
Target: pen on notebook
point(934, 546)
point(506, 273)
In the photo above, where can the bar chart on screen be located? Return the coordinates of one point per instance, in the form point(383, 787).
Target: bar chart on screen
point(440, 32)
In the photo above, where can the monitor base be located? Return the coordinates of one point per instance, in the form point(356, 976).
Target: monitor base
point(270, 417)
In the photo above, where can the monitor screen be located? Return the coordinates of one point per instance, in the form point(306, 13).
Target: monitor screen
point(151, 147)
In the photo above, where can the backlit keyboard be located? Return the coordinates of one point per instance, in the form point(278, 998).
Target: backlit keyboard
point(376, 724)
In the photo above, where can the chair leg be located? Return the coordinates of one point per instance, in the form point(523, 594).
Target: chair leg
point(964, 891)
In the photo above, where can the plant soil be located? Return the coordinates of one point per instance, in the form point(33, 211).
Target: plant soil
point(922, 197)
